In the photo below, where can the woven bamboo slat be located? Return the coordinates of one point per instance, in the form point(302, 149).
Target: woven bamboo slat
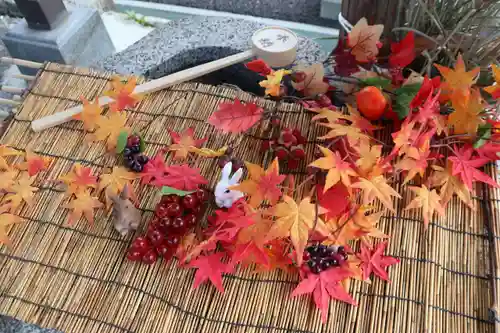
point(76, 278)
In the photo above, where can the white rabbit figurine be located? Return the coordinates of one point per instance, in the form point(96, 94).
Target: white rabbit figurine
point(224, 197)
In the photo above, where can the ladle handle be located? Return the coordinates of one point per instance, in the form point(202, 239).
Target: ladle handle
point(148, 87)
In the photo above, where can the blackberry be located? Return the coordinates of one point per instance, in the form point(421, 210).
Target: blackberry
point(127, 152)
point(142, 159)
point(320, 257)
point(135, 149)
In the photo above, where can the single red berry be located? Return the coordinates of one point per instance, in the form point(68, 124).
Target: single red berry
point(229, 151)
point(281, 153)
point(173, 209)
point(165, 224)
point(266, 145)
point(190, 201)
point(237, 164)
point(151, 228)
point(161, 210)
point(299, 76)
point(324, 101)
point(202, 195)
point(296, 132)
point(223, 160)
point(134, 255)
point(190, 219)
point(140, 244)
point(133, 140)
point(169, 198)
point(164, 251)
point(288, 139)
point(298, 152)
point(306, 256)
point(196, 210)
point(178, 224)
point(293, 164)
point(149, 257)
point(173, 241)
point(155, 237)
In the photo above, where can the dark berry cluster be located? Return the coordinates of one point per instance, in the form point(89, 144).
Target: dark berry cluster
point(288, 145)
point(133, 159)
point(226, 158)
point(174, 216)
point(321, 257)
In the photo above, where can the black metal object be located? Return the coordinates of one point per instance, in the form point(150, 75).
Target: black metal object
point(42, 14)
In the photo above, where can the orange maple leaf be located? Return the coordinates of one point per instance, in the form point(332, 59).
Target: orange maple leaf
point(457, 82)
point(7, 179)
point(494, 90)
point(90, 114)
point(262, 184)
point(123, 94)
point(415, 161)
point(404, 138)
point(364, 40)
point(466, 117)
point(78, 179)
point(114, 182)
point(83, 204)
point(184, 143)
point(369, 156)
point(7, 151)
point(296, 221)
point(273, 82)
point(34, 163)
point(19, 192)
point(429, 201)
point(338, 170)
point(109, 128)
point(331, 116)
point(449, 185)
point(377, 187)
point(6, 220)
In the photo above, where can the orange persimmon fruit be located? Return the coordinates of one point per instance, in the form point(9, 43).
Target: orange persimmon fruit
point(371, 102)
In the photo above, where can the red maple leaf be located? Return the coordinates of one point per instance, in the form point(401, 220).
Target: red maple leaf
point(183, 142)
point(210, 267)
point(335, 200)
point(250, 253)
point(259, 66)
point(324, 286)
point(236, 117)
point(464, 165)
point(155, 171)
point(403, 52)
point(426, 89)
point(489, 150)
point(34, 163)
point(374, 261)
point(183, 177)
point(428, 110)
point(230, 222)
point(345, 62)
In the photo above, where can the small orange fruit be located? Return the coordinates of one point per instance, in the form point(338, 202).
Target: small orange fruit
point(371, 102)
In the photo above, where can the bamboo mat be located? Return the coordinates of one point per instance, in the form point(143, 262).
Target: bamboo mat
point(76, 279)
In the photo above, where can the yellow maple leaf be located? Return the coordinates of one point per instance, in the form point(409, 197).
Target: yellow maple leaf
point(19, 192)
point(354, 134)
point(273, 82)
point(7, 179)
point(90, 114)
point(338, 170)
point(114, 182)
point(331, 116)
point(377, 187)
point(296, 221)
point(494, 89)
point(6, 220)
point(110, 127)
point(429, 201)
point(449, 185)
point(7, 151)
point(369, 156)
point(83, 204)
point(457, 82)
point(466, 117)
point(184, 143)
point(262, 184)
point(123, 94)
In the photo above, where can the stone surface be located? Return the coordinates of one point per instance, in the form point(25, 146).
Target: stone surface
point(186, 43)
point(80, 39)
point(10, 325)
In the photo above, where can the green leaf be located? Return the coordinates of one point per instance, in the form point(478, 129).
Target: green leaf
point(142, 145)
point(166, 190)
point(483, 134)
point(408, 89)
point(401, 105)
point(377, 82)
point(122, 142)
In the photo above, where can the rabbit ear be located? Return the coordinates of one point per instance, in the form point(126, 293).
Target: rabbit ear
point(226, 172)
point(236, 177)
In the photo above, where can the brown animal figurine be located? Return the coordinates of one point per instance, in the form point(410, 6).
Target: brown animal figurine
point(126, 216)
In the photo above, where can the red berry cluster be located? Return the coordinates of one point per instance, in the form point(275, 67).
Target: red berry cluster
point(287, 146)
point(174, 216)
